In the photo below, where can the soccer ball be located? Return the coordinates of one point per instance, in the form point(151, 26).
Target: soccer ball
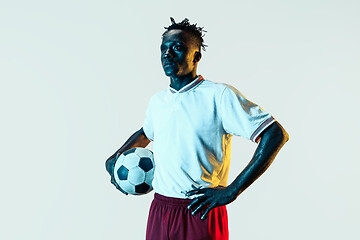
point(134, 171)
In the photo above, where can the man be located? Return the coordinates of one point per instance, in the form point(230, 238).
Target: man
point(191, 124)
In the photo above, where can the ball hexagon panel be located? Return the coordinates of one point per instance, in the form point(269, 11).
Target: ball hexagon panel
point(143, 152)
point(136, 176)
point(149, 176)
point(131, 160)
point(127, 186)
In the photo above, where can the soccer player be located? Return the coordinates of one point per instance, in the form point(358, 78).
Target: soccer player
point(191, 124)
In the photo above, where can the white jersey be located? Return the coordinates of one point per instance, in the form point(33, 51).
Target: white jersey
point(192, 129)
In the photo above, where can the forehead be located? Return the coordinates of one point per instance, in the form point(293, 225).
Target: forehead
point(177, 35)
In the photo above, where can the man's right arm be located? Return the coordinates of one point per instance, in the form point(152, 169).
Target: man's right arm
point(138, 139)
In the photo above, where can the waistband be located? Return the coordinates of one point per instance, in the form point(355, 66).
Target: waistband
point(172, 201)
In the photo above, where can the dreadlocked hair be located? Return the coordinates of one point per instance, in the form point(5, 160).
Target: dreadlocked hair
point(197, 32)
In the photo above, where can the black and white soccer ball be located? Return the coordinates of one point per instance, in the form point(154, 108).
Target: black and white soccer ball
point(134, 171)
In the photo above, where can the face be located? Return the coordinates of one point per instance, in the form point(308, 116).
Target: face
point(179, 53)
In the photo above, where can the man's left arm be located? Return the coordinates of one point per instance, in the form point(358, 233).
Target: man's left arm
point(272, 140)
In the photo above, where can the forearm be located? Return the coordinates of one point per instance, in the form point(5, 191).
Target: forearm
point(138, 139)
point(270, 144)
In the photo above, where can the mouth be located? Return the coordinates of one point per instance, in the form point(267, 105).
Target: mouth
point(168, 64)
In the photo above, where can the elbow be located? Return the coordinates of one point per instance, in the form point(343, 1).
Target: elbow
point(282, 135)
point(277, 134)
point(286, 136)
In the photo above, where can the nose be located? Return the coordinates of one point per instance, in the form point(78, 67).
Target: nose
point(167, 53)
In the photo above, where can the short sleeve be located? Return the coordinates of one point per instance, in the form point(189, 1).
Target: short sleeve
point(148, 124)
point(242, 117)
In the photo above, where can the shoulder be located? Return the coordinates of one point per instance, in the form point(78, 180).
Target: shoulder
point(214, 87)
point(219, 89)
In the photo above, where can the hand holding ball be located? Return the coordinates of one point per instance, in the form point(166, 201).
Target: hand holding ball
point(134, 171)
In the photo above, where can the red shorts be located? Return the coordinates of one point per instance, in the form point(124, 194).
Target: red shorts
point(170, 219)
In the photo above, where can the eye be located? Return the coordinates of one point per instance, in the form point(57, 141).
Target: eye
point(177, 48)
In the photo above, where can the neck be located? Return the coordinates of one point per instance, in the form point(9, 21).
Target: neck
point(179, 82)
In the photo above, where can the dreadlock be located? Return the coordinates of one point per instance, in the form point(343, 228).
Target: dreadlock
point(197, 32)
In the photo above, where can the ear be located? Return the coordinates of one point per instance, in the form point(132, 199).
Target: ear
point(197, 56)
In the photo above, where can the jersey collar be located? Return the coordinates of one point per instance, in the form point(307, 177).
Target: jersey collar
point(188, 86)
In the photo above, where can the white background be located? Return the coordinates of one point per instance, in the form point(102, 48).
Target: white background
point(76, 77)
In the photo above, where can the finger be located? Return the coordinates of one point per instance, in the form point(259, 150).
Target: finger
point(114, 183)
point(122, 191)
point(193, 203)
point(117, 186)
point(201, 205)
point(207, 211)
point(195, 191)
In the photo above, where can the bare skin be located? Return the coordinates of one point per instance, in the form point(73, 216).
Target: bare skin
point(179, 58)
point(180, 55)
point(270, 144)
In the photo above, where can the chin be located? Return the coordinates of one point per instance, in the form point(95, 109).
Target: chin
point(170, 73)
